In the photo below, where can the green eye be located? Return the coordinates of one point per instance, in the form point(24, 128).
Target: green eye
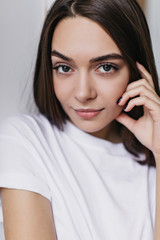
point(62, 68)
point(107, 68)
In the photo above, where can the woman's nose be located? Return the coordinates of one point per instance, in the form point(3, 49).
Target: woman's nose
point(85, 89)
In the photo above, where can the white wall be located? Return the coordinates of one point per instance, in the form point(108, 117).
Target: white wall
point(153, 17)
point(20, 25)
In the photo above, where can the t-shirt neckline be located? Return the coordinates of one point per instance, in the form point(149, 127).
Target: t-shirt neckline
point(89, 140)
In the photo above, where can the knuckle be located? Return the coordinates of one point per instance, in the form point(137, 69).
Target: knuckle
point(144, 98)
point(144, 81)
point(125, 95)
point(142, 88)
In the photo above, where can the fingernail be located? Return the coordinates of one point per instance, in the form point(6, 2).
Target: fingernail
point(138, 64)
point(119, 100)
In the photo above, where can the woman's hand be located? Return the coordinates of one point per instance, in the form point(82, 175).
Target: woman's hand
point(147, 128)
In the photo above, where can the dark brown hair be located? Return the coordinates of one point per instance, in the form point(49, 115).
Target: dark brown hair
point(125, 22)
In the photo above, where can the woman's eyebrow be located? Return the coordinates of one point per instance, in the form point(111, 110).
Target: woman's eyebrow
point(93, 60)
point(60, 55)
point(112, 56)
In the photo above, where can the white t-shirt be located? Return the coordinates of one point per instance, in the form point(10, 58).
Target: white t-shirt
point(96, 188)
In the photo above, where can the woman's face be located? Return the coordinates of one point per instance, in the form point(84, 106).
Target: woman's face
point(89, 74)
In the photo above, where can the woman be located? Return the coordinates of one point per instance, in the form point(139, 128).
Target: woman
point(84, 168)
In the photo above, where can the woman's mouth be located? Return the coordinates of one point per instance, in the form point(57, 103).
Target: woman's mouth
point(88, 113)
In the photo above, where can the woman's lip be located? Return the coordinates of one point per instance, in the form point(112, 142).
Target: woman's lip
point(88, 113)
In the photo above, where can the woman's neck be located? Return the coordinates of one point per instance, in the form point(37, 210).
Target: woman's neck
point(109, 133)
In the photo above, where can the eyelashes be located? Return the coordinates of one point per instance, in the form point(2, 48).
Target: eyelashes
point(104, 68)
point(107, 68)
point(62, 68)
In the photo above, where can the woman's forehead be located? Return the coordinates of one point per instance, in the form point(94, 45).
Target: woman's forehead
point(81, 35)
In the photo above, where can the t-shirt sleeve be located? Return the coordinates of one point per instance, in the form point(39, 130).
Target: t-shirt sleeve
point(20, 158)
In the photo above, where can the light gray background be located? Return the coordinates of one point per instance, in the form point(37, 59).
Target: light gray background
point(20, 26)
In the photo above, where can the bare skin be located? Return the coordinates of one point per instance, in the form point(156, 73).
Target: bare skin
point(27, 216)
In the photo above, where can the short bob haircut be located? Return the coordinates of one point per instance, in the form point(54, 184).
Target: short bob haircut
point(125, 22)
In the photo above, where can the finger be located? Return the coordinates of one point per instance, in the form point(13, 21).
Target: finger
point(127, 121)
point(152, 107)
point(145, 74)
point(139, 91)
point(138, 83)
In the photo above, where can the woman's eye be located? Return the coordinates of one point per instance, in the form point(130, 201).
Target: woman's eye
point(62, 68)
point(107, 68)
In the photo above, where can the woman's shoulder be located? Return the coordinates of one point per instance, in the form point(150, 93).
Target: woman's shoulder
point(25, 124)
point(28, 119)
point(24, 151)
